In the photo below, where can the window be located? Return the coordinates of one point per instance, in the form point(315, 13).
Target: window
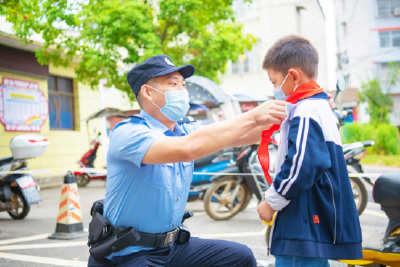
point(61, 103)
point(245, 10)
point(247, 63)
point(388, 8)
point(389, 38)
point(235, 67)
point(384, 39)
point(395, 38)
point(387, 74)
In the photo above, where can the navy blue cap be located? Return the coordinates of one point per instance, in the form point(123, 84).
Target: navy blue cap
point(154, 67)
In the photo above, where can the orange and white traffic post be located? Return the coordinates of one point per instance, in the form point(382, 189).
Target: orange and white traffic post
point(69, 220)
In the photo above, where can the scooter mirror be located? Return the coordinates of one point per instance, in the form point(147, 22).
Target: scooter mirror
point(341, 84)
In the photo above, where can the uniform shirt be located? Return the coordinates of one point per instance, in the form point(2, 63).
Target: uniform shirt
point(151, 198)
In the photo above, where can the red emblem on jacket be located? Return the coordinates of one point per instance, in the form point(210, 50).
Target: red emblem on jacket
point(316, 218)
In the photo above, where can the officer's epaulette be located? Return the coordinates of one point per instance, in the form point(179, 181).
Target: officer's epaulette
point(188, 119)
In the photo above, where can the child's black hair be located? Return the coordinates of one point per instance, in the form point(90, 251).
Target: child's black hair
point(292, 51)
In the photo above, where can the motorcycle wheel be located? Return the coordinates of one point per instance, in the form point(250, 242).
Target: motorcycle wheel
point(225, 198)
point(82, 180)
point(247, 201)
point(360, 194)
point(23, 207)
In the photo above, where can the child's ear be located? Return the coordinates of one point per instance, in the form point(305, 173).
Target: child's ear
point(295, 76)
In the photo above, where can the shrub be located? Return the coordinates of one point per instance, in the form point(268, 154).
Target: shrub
point(386, 137)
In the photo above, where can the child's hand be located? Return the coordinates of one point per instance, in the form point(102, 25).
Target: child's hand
point(265, 211)
point(331, 102)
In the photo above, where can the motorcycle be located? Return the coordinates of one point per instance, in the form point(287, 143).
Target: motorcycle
point(230, 194)
point(218, 162)
point(87, 161)
point(18, 189)
point(353, 153)
point(385, 252)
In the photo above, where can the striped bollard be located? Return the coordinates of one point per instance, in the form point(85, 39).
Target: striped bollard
point(69, 220)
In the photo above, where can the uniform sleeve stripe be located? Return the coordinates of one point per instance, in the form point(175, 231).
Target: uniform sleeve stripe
point(304, 143)
point(298, 142)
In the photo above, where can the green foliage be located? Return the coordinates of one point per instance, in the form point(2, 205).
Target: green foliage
point(383, 160)
point(386, 137)
point(393, 73)
point(103, 34)
point(379, 103)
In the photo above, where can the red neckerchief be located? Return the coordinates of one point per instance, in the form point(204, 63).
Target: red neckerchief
point(304, 91)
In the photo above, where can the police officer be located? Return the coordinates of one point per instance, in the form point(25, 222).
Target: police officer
point(150, 168)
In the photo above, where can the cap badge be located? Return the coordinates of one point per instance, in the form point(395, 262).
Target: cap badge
point(169, 62)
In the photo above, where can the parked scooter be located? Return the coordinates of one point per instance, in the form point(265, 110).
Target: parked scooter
point(353, 153)
point(87, 161)
point(385, 252)
point(230, 194)
point(219, 162)
point(18, 191)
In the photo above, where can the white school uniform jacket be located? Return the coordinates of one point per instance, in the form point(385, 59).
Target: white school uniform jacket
point(311, 192)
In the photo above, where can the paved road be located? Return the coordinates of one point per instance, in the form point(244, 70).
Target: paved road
point(16, 248)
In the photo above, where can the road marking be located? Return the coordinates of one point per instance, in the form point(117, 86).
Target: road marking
point(375, 213)
point(28, 238)
point(45, 245)
point(24, 239)
point(42, 260)
point(84, 243)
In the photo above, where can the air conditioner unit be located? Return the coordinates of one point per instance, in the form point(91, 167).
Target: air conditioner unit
point(396, 11)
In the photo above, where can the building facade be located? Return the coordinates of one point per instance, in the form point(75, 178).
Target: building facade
point(65, 103)
point(269, 21)
point(368, 39)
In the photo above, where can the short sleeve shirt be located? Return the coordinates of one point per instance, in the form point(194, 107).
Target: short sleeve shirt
point(151, 198)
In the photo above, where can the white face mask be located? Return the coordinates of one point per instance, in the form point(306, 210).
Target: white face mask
point(176, 104)
point(278, 92)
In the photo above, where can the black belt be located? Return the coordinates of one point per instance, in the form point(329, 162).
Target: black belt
point(156, 240)
point(106, 238)
point(130, 237)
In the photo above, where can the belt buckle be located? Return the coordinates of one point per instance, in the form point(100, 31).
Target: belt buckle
point(171, 236)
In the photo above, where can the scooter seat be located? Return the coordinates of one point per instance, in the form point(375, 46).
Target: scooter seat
point(6, 160)
point(387, 189)
point(198, 163)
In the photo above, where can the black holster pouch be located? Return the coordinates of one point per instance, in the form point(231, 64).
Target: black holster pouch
point(183, 234)
point(113, 243)
point(105, 238)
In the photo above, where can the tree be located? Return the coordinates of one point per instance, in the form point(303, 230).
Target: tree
point(379, 101)
point(393, 74)
point(108, 37)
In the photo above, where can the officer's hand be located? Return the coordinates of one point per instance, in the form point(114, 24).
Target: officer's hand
point(265, 211)
point(270, 112)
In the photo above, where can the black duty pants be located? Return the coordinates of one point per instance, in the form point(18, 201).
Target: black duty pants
point(197, 252)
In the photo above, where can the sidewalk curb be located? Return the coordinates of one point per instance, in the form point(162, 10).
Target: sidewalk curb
point(49, 181)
